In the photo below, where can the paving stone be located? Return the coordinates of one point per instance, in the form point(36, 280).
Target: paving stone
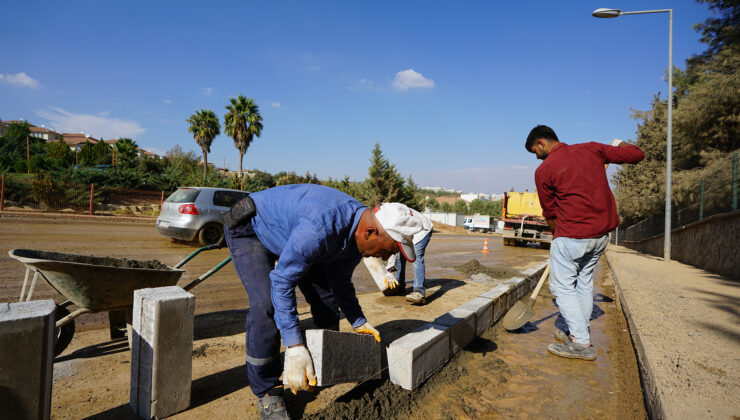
point(161, 351)
point(417, 355)
point(511, 298)
point(498, 296)
point(461, 325)
point(520, 284)
point(26, 357)
point(483, 309)
point(336, 355)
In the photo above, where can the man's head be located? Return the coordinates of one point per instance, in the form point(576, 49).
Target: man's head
point(387, 230)
point(541, 140)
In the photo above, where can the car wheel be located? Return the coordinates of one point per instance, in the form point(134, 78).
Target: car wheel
point(210, 234)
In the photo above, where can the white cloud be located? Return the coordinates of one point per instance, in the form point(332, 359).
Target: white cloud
point(167, 101)
point(95, 125)
point(363, 84)
point(409, 79)
point(275, 104)
point(207, 91)
point(20, 79)
point(521, 167)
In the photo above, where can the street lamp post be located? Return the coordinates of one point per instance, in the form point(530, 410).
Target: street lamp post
point(612, 13)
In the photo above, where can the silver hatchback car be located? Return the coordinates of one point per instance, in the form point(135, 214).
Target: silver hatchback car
point(195, 213)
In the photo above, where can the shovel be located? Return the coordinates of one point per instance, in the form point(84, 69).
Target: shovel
point(522, 311)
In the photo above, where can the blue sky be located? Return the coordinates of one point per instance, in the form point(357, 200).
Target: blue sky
point(449, 89)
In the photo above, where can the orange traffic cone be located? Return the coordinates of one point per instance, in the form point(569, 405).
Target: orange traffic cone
point(485, 246)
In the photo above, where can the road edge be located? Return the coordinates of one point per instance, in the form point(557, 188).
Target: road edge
point(650, 391)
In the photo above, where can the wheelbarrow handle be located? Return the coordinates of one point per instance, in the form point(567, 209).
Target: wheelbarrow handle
point(206, 275)
point(197, 251)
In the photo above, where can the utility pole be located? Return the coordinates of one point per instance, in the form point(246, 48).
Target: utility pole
point(28, 155)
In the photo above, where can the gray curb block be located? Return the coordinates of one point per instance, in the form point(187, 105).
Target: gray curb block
point(410, 356)
point(650, 387)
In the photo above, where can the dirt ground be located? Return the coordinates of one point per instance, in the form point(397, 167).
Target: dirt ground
point(498, 375)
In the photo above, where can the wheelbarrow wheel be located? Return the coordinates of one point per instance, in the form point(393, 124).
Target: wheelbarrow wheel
point(63, 335)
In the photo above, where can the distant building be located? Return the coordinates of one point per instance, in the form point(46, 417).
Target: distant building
point(474, 196)
point(75, 141)
point(42, 132)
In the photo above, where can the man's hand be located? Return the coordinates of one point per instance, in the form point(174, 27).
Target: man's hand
point(552, 223)
point(366, 328)
point(298, 372)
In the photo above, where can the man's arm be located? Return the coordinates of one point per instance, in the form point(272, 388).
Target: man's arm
point(296, 258)
point(622, 153)
point(552, 223)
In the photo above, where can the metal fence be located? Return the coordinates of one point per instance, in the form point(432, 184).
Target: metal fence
point(715, 192)
point(45, 194)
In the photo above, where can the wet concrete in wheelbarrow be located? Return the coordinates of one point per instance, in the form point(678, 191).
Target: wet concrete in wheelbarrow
point(511, 375)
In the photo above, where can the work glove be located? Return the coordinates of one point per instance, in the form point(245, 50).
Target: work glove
point(366, 328)
point(298, 373)
point(390, 281)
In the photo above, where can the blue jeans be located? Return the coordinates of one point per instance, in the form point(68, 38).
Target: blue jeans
point(253, 263)
point(419, 268)
point(572, 263)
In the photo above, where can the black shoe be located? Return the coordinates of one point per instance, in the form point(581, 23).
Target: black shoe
point(272, 407)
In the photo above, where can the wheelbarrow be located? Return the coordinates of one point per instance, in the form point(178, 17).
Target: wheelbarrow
point(97, 284)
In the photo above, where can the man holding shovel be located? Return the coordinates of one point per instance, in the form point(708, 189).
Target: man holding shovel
point(580, 209)
point(317, 235)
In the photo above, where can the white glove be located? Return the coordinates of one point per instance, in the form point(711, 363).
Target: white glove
point(390, 281)
point(298, 373)
point(616, 142)
point(366, 328)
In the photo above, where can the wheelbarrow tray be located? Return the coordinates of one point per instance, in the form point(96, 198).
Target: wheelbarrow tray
point(94, 283)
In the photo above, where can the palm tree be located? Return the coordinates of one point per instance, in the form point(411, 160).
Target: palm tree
point(205, 127)
point(243, 123)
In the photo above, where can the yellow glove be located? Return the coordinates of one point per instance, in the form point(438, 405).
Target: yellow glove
point(298, 372)
point(390, 281)
point(366, 328)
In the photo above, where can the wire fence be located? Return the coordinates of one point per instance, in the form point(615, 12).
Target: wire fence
point(46, 194)
point(715, 192)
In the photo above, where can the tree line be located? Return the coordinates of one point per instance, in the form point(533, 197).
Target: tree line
point(706, 121)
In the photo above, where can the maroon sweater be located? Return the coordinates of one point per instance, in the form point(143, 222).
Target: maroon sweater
point(573, 189)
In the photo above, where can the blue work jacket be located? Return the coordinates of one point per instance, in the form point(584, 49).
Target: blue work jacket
point(307, 224)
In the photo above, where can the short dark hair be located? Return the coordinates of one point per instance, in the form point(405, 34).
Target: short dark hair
point(540, 132)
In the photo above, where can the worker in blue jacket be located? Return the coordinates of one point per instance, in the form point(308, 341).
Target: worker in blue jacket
point(318, 235)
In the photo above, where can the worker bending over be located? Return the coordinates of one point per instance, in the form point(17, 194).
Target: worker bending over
point(317, 235)
point(580, 209)
point(397, 265)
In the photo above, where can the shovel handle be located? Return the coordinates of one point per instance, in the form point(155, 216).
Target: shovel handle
point(541, 282)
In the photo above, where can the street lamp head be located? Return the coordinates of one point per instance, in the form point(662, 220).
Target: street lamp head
point(606, 13)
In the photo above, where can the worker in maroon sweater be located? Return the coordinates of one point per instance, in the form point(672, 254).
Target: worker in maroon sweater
point(580, 209)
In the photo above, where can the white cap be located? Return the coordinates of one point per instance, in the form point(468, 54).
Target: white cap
point(616, 142)
point(401, 225)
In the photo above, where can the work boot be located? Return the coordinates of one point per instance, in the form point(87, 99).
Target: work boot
point(562, 336)
point(415, 298)
point(573, 350)
point(272, 407)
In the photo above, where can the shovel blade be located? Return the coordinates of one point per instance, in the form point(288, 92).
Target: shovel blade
point(518, 315)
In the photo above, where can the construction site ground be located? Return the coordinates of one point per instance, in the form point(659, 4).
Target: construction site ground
point(498, 375)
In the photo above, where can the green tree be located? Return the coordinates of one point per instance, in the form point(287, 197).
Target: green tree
point(60, 150)
point(205, 127)
point(460, 207)
point(127, 153)
point(103, 153)
point(384, 184)
point(86, 155)
point(476, 206)
point(242, 123)
point(446, 207)
point(432, 203)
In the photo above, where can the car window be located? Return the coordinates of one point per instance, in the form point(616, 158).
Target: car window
point(183, 195)
point(227, 198)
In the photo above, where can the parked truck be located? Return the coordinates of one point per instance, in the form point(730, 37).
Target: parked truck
point(480, 223)
point(523, 221)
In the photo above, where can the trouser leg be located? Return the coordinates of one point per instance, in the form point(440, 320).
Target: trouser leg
point(585, 281)
point(564, 267)
point(253, 263)
point(315, 288)
point(401, 272)
point(419, 266)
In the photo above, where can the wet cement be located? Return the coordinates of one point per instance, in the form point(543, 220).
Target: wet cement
point(93, 260)
point(511, 375)
point(474, 266)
